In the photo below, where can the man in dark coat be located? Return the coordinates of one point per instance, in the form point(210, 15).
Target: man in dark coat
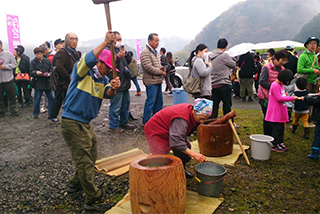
point(65, 59)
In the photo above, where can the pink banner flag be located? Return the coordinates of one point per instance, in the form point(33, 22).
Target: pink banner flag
point(139, 48)
point(13, 29)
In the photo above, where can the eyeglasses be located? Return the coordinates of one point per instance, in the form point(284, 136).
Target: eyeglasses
point(73, 39)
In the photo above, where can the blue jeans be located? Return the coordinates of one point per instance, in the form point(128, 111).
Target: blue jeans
point(119, 106)
point(154, 102)
point(37, 98)
point(316, 141)
point(135, 81)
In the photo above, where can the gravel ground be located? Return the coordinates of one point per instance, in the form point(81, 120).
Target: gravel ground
point(35, 163)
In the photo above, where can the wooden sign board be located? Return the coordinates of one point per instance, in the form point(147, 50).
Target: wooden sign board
point(103, 1)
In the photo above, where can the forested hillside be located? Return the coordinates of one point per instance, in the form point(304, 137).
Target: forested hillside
point(312, 28)
point(258, 21)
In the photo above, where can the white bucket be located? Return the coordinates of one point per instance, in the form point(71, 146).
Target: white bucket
point(261, 146)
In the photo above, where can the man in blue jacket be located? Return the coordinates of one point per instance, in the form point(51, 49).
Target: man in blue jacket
point(88, 86)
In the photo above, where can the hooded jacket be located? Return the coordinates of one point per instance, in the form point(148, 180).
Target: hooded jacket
point(8, 60)
point(222, 65)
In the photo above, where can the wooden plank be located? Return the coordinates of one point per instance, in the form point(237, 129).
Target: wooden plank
point(118, 164)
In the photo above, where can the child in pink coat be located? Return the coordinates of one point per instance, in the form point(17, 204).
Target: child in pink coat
point(277, 112)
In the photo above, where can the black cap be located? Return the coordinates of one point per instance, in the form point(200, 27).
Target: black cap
point(312, 38)
point(58, 41)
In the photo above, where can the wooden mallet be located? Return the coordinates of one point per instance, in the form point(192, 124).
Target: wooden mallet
point(107, 9)
point(239, 142)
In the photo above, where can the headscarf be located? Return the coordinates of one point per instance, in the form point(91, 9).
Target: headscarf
point(203, 106)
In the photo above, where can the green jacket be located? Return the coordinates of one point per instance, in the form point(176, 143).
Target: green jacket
point(304, 63)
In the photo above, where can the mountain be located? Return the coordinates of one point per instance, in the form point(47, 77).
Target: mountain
point(172, 44)
point(312, 28)
point(257, 21)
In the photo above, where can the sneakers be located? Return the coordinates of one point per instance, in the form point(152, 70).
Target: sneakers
point(72, 188)
point(283, 146)
point(278, 148)
point(243, 99)
point(118, 130)
point(236, 126)
point(127, 126)
point(170, 94)
point(250, 99)
point(138, 94)
point(43, 110)
point(188, 174)
point(311, 125)
point(99, 207)
point(54, 120)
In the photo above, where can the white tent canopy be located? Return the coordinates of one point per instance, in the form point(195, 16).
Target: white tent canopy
point(277, 44)
point(245, 47)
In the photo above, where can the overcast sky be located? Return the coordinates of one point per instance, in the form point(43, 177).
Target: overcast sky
point(42, 20)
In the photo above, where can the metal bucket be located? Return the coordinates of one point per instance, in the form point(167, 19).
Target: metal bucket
point(210, 178)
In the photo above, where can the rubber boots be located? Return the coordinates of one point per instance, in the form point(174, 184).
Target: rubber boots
point(306, 133)
point(315, 153)
point(293, 128)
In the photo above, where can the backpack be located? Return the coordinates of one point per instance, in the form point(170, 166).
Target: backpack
point(55, 79)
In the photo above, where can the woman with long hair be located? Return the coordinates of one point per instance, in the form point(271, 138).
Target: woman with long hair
point(170, 69)
point(198, 68)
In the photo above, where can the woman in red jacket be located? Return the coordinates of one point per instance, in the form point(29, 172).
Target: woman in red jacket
point(168, 129)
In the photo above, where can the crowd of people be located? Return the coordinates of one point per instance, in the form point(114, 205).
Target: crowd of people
point(78, 83)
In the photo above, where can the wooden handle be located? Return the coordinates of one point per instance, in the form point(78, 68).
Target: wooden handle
point(114, 66)
point(239, 141)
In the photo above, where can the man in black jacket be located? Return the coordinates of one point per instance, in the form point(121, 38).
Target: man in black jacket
point(292, 60)
point(120, 102)
point(247, 70)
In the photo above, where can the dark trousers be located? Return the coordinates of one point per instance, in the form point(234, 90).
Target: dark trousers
point(316, 141)
point(184, 158)
point(10, 90)
point(236, 88)
point(277, 132)
point(22, 84)
point(267, 128)
point(57, 102)
point(223, 94)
